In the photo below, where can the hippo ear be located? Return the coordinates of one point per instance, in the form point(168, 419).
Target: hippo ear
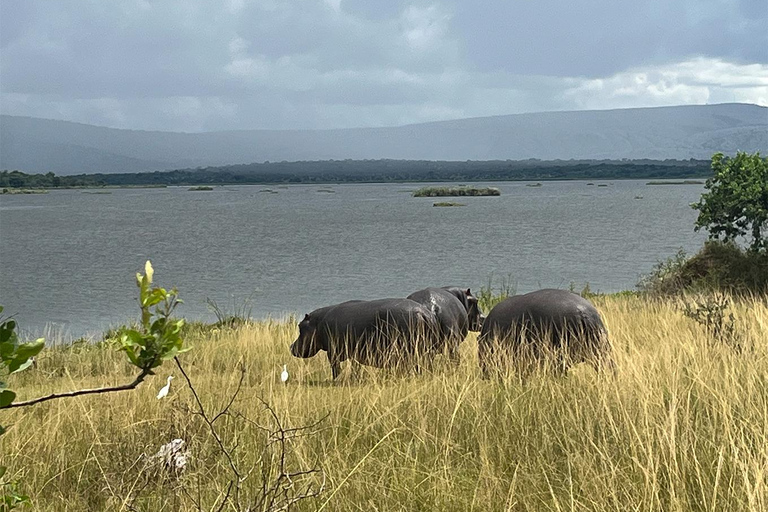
point(306, 317)
point(469, 293)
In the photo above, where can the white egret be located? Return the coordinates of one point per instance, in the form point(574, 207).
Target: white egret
point(165, 389)
point(284, 374)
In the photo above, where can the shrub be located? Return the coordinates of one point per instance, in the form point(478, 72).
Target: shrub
point(717, 266)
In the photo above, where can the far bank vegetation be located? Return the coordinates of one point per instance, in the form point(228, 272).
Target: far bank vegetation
point(456, 191)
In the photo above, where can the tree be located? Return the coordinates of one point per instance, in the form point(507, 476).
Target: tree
point(736, 204)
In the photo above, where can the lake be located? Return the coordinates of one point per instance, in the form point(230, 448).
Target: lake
point(69, 257)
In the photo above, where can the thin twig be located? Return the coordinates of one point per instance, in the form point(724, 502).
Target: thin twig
point(79, 392)
point(226, 497)
point(234, 396)
point(224, 450)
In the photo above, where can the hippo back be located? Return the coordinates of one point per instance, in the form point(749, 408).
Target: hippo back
point(543, 309)
point(450, 313)
point(546, 319)
point(378, 332)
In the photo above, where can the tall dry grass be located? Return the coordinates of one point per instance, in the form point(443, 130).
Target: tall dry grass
point(683, 426)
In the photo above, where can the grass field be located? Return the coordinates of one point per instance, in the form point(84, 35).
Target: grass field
point(682, 427)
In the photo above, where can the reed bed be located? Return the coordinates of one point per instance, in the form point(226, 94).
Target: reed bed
point(683, 426)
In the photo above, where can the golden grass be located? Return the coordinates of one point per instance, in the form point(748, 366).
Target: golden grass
point(683, 426)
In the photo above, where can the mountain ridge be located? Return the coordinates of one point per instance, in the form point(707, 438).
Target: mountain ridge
point(679, 132)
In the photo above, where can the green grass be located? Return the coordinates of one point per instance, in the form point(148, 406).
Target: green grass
point(456, 191)
point(682, 427)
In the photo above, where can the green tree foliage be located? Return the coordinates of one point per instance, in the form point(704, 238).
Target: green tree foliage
point(376, 171)
point(736, 204)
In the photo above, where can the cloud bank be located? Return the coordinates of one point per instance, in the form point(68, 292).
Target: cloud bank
point(283, 64)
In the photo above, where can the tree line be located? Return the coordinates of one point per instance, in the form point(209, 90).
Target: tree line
point(351, 171)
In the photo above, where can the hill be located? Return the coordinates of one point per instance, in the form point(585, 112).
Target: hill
point(682, 132)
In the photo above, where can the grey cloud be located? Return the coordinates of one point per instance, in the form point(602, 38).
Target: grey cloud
point(205, 65)
point(554, 37)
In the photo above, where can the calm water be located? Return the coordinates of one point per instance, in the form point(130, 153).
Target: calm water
point(68, 257)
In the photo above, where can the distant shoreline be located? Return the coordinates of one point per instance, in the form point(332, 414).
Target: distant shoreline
point(374, 171)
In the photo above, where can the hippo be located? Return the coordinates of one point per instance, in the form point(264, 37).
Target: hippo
point(529, 327)
point(457, 313)
point(379, 333)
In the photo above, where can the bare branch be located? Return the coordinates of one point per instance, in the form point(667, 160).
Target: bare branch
point(108, 389)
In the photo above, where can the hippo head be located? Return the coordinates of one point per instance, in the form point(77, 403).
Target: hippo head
point(473, 312)
point(469, 302)
point(307, 344)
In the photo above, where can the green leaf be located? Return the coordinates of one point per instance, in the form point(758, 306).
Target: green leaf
point(2, 471)
point(6, 398)
point(24, 353)
point(131, 338)
point(7, 333)
point(155, 296)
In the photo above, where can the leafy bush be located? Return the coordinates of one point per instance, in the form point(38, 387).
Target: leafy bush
point(155, 340)
point(717, 266)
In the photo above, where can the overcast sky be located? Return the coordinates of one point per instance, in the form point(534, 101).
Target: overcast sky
point(187, 65)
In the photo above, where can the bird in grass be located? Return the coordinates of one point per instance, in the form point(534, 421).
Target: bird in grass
point(165, 389)
point(284, 374)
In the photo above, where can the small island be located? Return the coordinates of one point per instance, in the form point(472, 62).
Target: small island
point(537, 184)
point(448, 203)
point(13, 191)
point(683, 182)
point(456, 191)
point(201, 188)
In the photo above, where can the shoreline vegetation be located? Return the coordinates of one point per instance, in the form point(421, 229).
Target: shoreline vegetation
point(375, 171)
point(460, 191)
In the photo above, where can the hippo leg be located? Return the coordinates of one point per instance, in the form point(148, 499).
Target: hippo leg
point(333, 360)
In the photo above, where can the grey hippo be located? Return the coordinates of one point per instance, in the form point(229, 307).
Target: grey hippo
point(380, 333)
point(528, 328)
point(457, 313)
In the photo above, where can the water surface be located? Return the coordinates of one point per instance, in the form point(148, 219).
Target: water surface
point(69, 258)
